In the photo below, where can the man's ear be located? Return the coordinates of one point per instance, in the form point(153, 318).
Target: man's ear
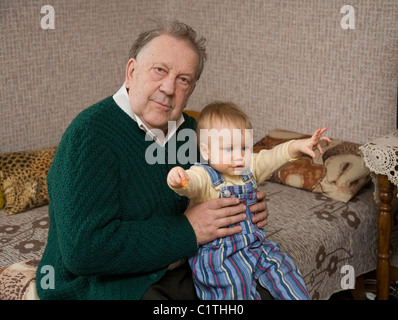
point(204, 151)
point(130, 67)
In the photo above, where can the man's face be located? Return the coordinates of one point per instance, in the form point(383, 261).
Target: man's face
point(160, 80)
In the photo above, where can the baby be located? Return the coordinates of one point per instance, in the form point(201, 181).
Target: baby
point(231, 267)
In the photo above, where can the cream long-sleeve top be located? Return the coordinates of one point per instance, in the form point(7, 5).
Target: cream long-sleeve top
point(200, 189)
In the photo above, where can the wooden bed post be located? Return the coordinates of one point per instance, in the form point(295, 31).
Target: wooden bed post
point(384, 236)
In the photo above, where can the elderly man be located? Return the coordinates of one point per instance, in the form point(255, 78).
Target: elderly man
point(116, 230)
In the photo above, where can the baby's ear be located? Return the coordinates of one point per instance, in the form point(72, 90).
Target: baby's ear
point(204, 151)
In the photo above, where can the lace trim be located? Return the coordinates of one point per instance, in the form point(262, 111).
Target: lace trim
point(381, 157)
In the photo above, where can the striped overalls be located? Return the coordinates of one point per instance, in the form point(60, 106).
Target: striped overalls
point(229, 268)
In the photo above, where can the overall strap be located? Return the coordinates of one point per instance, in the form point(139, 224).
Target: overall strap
point(247, 176)
point(215, 176)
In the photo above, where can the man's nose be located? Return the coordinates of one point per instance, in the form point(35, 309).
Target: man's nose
point(168, 85)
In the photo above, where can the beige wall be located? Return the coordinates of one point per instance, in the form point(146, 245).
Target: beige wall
point(288, 63)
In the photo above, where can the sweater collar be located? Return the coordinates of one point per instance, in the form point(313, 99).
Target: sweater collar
point(121, 98)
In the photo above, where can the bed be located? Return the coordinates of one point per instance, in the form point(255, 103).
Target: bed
point(322, 236)
point(331, 239)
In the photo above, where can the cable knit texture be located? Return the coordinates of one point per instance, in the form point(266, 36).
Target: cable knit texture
point(115, 225)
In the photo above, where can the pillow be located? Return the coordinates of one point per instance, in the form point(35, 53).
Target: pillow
point(339, 173)
point(23, 179)
point(192, 113)
point(18, 281)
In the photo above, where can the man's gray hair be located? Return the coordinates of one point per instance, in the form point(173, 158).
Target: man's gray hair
point(177, 30)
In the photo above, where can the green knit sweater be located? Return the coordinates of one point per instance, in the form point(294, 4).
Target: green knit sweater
point(115, 225)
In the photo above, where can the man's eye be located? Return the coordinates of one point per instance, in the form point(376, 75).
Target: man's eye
point(184, 81)
point(160, 70)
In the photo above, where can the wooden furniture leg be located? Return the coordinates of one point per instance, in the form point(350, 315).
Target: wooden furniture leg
point(384, 236)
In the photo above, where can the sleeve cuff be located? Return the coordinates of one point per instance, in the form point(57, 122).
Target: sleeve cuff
point(288, 157)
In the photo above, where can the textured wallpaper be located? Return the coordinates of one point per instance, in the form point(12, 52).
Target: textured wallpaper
point(294, 65)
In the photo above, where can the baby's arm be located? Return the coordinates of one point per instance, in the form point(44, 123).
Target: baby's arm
point(298, 147)
point(193, 183)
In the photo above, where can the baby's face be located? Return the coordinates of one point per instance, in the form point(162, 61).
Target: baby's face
point(229, 148)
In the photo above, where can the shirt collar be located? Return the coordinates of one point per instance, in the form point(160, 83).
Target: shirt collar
point(121, 98)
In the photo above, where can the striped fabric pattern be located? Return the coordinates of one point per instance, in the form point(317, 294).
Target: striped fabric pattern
point(230, 268)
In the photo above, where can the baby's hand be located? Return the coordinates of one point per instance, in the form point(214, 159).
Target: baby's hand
point(307, 146)
point(314, 142)
point(177, 178)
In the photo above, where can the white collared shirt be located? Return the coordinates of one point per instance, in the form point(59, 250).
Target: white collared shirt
point(121, 98)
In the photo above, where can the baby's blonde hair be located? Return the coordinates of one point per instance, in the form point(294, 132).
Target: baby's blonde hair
point(223, 112)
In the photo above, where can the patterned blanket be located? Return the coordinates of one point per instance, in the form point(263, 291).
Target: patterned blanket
point(330, 241)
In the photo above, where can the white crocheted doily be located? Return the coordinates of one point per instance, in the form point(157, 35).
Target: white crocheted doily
point(381, 157)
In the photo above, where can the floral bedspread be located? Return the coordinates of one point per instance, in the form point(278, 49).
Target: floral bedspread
point(331, 242)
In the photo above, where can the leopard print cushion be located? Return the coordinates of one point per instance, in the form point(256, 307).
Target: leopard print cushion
point(339, 173)
point(1, 199)
point(23, 179)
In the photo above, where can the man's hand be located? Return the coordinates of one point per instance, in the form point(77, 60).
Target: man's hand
point(262, 210)
point(210, 219)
